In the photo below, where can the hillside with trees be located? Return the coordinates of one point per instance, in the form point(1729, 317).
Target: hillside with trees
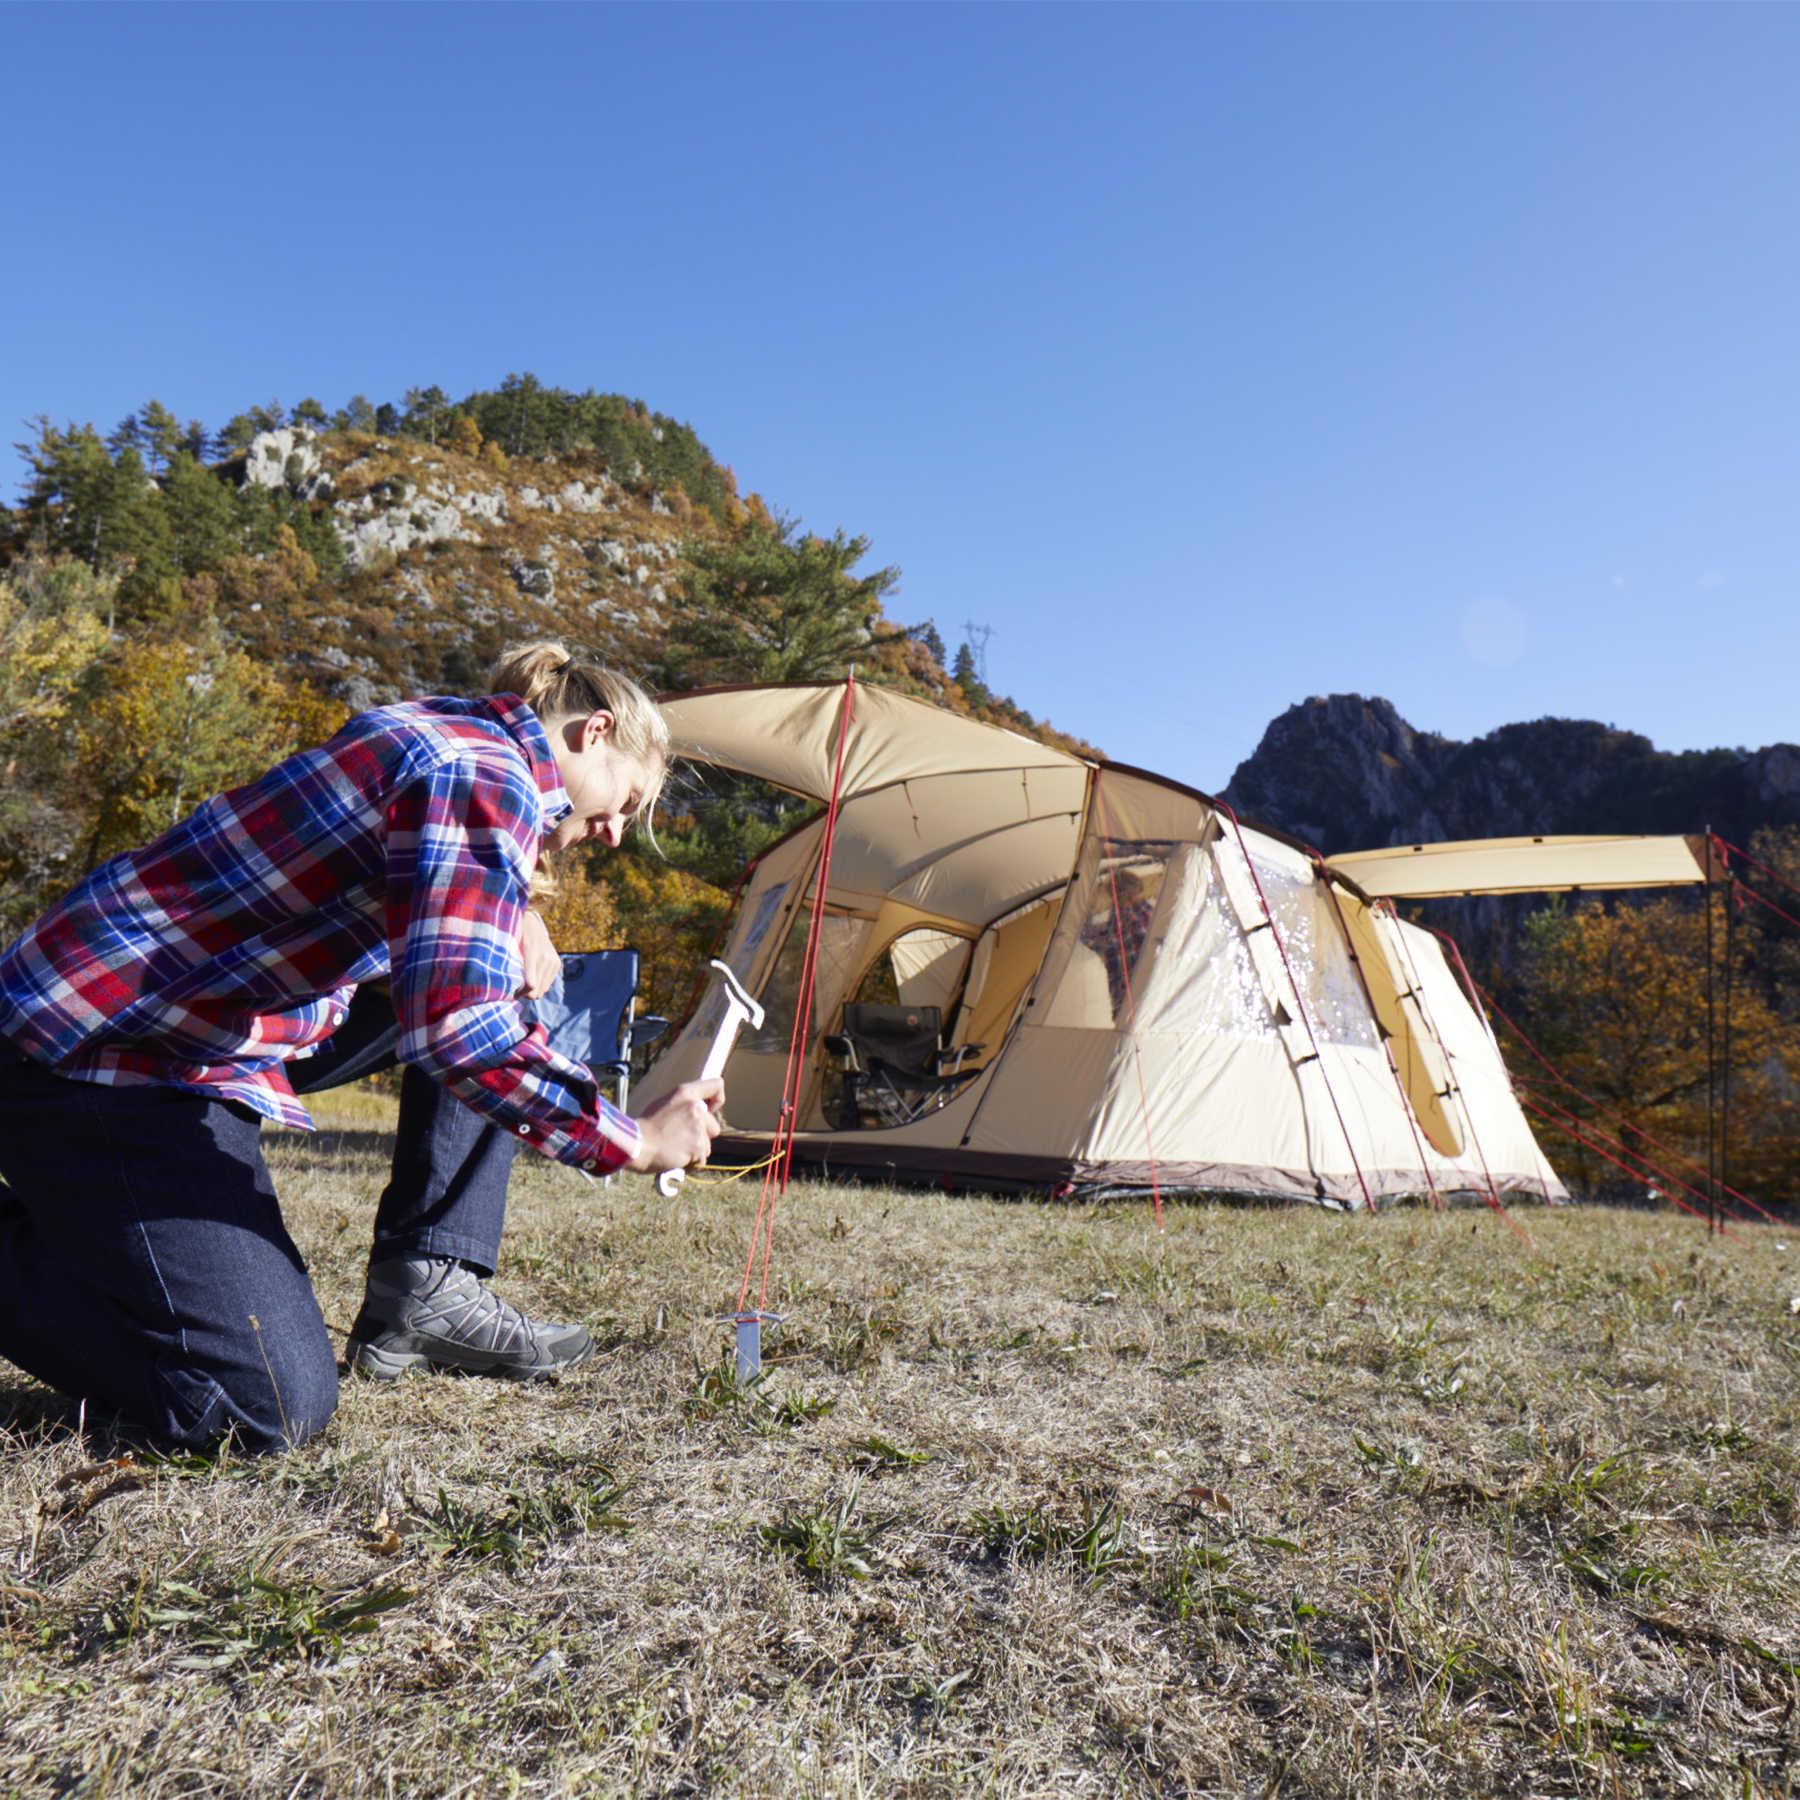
point(180, 605)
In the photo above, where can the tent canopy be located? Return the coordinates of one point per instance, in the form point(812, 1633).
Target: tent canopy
point(789, 735)
point(1524, 865)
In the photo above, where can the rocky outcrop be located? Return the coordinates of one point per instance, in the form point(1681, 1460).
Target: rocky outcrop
point(288, 458)
point(447, 555)
point(1340, 767)
point(1348, 773)
point(574, 496)
point(397, 517)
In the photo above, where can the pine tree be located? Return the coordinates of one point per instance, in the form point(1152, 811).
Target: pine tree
point(425, 412)
point(310, 413)
point(927, 636)
point(968, 678)
point(128, 434)
point(71, 488)
point(524, 432)
point(136, 540)
point(202, 515)
point(162, 435)
point(772, 604)
point(238, 434)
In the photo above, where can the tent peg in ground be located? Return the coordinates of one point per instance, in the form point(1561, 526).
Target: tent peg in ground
point(748, 1333)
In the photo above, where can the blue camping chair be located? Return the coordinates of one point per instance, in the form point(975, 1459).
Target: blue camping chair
point(590, 1016)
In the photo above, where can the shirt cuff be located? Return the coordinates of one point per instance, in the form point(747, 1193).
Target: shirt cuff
point(620, 1139)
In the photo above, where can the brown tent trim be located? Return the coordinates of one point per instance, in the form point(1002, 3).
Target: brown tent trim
point(1210, 800)
point(861, 1155)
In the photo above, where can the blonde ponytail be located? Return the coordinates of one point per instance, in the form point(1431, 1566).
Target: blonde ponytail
point(558, 684)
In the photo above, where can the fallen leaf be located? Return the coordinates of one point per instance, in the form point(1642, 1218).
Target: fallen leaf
point(1205, 1496)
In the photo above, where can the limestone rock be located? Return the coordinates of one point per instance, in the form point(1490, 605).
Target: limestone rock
point(535, 578)
point(287, 458)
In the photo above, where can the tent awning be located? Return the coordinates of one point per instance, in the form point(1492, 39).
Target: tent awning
point(1525, 865)
point(789, 735)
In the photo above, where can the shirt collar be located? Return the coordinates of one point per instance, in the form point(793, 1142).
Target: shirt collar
point(528, 731)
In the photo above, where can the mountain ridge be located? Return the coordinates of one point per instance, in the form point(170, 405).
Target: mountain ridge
point(1347, 772)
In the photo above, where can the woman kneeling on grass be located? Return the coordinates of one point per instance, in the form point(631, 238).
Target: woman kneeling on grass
point(153, 1017)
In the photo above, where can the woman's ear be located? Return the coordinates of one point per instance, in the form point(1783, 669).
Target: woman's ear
point(598, 729)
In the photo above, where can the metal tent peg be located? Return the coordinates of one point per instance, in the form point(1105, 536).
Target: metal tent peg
point(747, 1334)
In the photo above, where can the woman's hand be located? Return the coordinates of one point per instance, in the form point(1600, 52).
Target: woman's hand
point(678, 1129)
point(542, 964)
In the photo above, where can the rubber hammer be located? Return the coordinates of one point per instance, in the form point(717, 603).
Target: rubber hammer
point(740, 1010)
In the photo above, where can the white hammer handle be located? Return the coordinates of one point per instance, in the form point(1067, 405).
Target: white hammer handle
point(740, 1010)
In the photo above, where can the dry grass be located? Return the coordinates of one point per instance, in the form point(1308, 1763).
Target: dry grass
point(1032, 1501)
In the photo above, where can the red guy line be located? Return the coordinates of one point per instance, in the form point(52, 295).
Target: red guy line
point(1612, 1112)
point(775, 1176)
point(1635, 1174)
point(1300, 1005)
point(1137, 1049)
point(1655, 1171)
point(1337, 906)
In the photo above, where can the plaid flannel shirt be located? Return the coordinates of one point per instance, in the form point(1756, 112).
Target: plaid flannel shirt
point(231, 945)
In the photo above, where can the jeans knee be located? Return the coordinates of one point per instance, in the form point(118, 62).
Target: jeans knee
point(294, 1402)
point(277, 1403)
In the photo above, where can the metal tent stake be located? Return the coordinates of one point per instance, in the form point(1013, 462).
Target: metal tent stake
point(748, 1331)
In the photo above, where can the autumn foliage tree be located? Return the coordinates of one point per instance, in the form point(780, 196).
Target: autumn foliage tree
point(52, 637)
point(177, 721)
point(1616, 995)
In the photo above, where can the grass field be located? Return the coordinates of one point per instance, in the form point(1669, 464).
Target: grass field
point(1032, 1500)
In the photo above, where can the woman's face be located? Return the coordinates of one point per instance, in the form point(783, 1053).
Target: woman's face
point(605, 786)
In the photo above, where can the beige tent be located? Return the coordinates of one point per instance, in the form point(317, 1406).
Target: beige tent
point(1120, 985)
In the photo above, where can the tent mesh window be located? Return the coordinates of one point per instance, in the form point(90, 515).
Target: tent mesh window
point(840, 942)
point(1202, 977)
point(1122, 905)
point(768, 908)
point(1317, 954)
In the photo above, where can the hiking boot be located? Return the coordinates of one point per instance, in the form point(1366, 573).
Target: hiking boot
point(429, 1312)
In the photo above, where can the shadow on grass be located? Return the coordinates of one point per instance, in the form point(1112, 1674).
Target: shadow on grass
point(352, 1141)
point(35, 1416)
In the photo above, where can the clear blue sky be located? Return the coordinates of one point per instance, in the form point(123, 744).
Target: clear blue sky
point(1213, 356)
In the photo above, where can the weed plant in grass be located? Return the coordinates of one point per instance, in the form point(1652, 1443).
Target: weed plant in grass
point(1029, 1499)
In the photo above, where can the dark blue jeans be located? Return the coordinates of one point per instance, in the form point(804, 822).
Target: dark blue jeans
point(144, 1265)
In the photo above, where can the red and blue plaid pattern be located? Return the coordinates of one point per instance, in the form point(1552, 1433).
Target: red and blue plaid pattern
point(403, 847)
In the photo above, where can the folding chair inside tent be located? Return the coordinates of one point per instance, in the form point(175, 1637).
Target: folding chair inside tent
point(589, 1015)
point(894, 1064)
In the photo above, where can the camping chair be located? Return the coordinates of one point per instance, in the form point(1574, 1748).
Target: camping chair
point(896, 1068)
point(590, 1016)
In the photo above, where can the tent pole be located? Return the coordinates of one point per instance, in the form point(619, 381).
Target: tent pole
point(1468, 1112)
point(1725, 1073)
point(1322, 874)
point(1712, 1156)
